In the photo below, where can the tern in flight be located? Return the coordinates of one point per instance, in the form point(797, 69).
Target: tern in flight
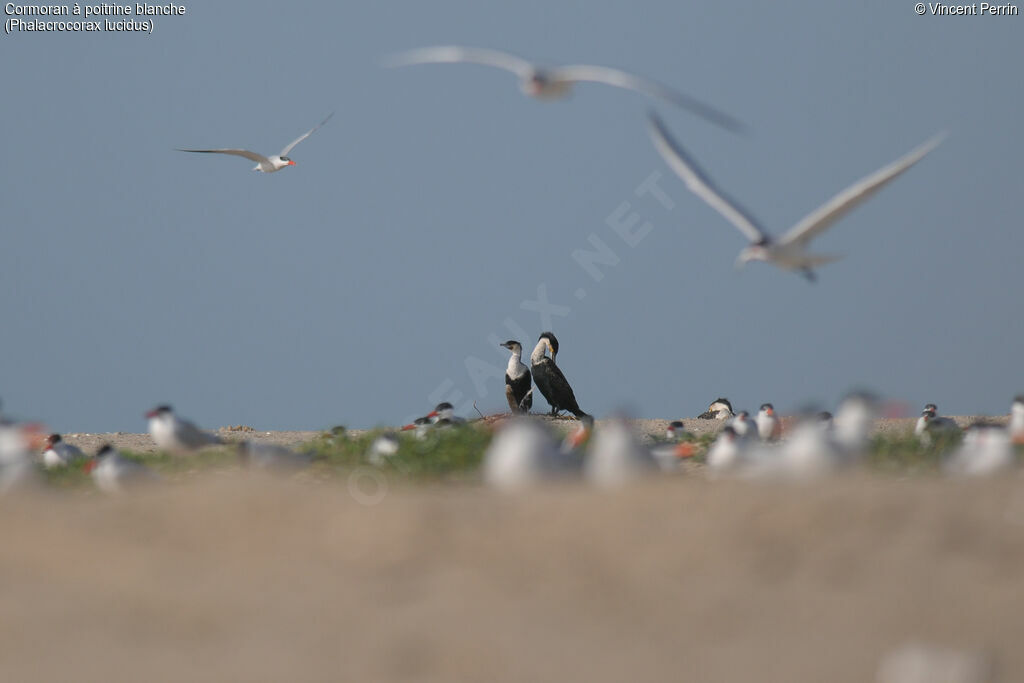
point(266, 164)
point(790, 250)
point(546, 83)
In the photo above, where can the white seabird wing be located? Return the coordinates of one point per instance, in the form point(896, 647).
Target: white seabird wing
point(700, 184)
point(623, 79)
point(291, 145)
point(821, 218)
point(447, 54)
point(259, 158)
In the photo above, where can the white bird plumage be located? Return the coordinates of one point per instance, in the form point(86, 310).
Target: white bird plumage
point(265, 164)
point(550, 83)
point(790, 250)
point(172, 433)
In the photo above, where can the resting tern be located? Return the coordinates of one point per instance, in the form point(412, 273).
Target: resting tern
point(789, 251)
point(742, 425)
point(265, 164)
point(171, 433)
point(769, 428)
point(59, 452)
point(929, 424)
point(112, 472)
point(550, 83)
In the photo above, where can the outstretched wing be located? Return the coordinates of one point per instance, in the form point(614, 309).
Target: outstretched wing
point(623, 79)
point(446, 54)
point(837, 207)
point(291, 145)
point(258, 158)
point(701, 185)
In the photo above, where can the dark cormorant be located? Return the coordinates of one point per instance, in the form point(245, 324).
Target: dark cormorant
point(549, 378)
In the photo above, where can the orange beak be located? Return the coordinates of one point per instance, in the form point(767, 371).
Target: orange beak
point(291, 163)
point(770, 411)
point(684, 450)
point(408, 427)
point(89, 466)
point(432, 413)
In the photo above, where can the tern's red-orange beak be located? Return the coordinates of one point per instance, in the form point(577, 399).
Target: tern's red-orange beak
point(432, 413)
point(408, 427)
point(291, 163)
point(685, 450)
point(769, 411)
point(89, 466)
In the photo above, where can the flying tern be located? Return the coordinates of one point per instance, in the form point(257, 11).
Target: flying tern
point(550, 83)
point(266, 164)
point(790, 250)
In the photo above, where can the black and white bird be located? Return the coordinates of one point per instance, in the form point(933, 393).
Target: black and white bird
point(743, 425)
point(112, 472)
point(549, 379)
point(720, 409)
point(931, 426)
point(789, 251)
point(675, 431)
point(59, 452)
point(769, 428)
point(518, 380)
point(171, 433)
point(265, 164)
point(550, 83)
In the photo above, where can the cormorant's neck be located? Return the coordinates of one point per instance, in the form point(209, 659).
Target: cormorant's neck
point(538, 352)
point(515, 364)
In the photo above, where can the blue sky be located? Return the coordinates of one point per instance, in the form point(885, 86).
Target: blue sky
point(375, 278)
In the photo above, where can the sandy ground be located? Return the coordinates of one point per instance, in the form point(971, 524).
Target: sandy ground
point(242, 578)
point(239, 577)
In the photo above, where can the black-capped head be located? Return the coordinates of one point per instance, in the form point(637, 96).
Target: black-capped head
point(1019, 398)
point(768, 408)
point(932, 407)
point(162, 409)
point(105, 450)
point(676, 424)
point(444, 406)
point(728, 432)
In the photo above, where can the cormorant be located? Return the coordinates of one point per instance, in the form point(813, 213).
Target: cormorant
point(518, 381)
point(549, 378)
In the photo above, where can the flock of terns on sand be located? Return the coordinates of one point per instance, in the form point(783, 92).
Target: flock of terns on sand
point(788, 251)
point(524, 451)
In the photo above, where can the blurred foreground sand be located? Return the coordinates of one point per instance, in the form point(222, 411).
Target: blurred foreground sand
point(235, 577)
